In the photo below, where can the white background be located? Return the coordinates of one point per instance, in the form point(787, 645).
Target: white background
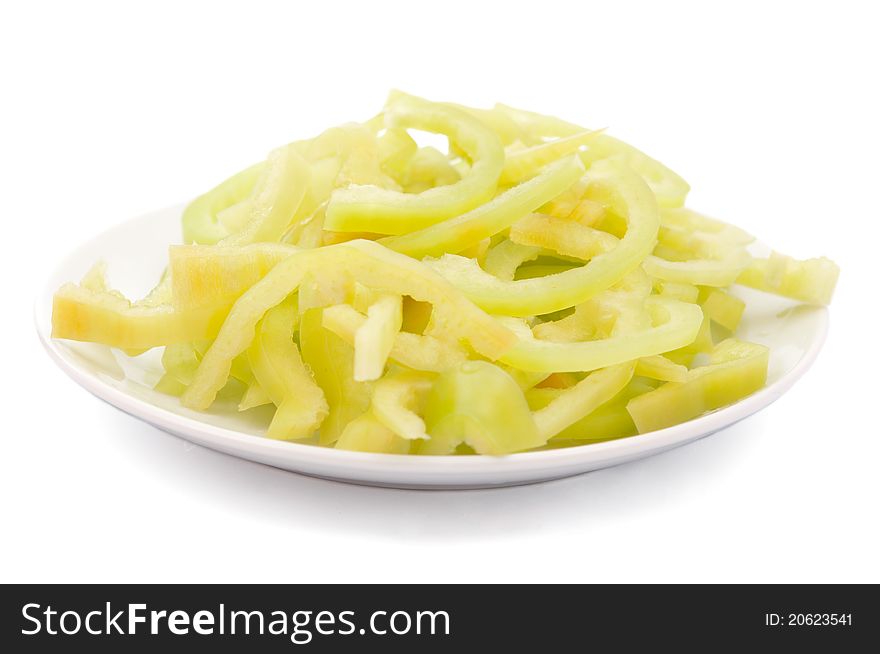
point(769, 109)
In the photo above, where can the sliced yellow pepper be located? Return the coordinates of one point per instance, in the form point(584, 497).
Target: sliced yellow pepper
point(278, 193)
point(366, 434)
point(529, 297)
point(736, 369)
point(81, 314)
point(582, 399)
point(279, 370)
point(503, 259)
point(376, 267)
point(331, 361)
point(809, 280)
point(416, 351)
point(670, 189)
point(525, 164)
point(456, 234)
point(722, 307)
point(374, 340)
point(676, 325)
point(199, 219)
point(396, 399)
point(373, 209)
point(565, 237)
point(480, 405)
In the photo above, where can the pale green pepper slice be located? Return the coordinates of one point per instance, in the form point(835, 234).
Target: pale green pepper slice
point(629, 196)
point(582, 399)
point(736, 369)
point(565, 237)
point(81, 314)
point(331, 361)
point(660, 368)
point(480, 405)
point(456, 234)
point(416, 351)
point(722, 307)
point(366, 434)
point(676, 324)
point(279, 370)
point(277, 195)
point(525, 164)
point(809, 280)
point(384, 211)
point(218, 275)
point(374, 266)
point(397, 400)
point(200, 224)
point(503, 259)
point(374, 340)
point(669, 188)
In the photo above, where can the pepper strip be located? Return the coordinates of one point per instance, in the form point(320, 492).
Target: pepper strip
point(199, 219)
point(393, 397)
point(81, 314)
point(374, 209)
point(809, 280)
point(374, 266)
point(503, 259)
point(278, 368)
point(416, 351)
point(736, 369)
point(210, 275)
point(530, 297)
point(670, 189)
point(524, 164)
point(456, 234)
point(582, 399)
point(678, 326)
point(481, 405)
point(277, 195)
point(374, 340)
point(565, 237)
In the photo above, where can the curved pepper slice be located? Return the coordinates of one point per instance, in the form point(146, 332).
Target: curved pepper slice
point(481, 405)
point(722, 271)
point(428, 168)
point(278, 368)
point(416, 351)
point(503, 259)
point(566, 237)
point(394, 398)
point(366, 434)
point(277, 195)
point(383, 211)
point(670, 189)
point(676, 325)
point(529, 297)
point(331, 361)
point(200, 224)
point(456, 234)
point(582, 399)
point(525, 164)
point(375, 267)
point(736, 369)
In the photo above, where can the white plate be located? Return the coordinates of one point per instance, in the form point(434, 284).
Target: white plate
point(136, 252)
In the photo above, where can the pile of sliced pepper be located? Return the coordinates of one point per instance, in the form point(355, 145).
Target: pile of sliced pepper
point(540, 285)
